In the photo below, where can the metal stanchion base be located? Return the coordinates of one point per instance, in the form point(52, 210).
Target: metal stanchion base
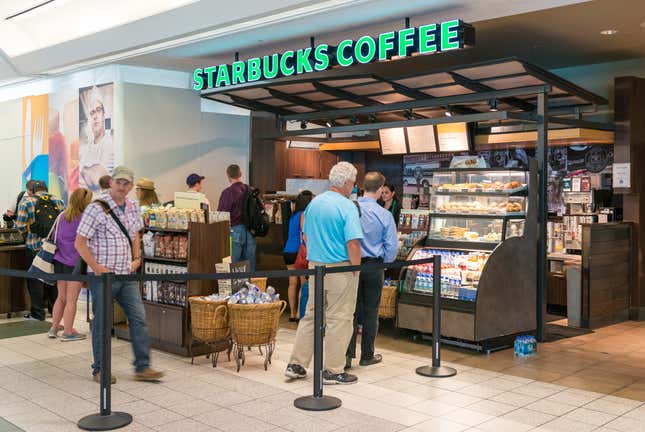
point(97, 422)
point(436, 372)
point(313, 403)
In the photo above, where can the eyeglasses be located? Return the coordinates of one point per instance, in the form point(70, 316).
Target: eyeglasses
point(97, 110)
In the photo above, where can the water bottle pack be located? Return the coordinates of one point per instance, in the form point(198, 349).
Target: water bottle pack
point(251, 294)
point(525, 346)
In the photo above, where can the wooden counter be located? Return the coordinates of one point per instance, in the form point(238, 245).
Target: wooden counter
point(13, 291)
point(606, 273)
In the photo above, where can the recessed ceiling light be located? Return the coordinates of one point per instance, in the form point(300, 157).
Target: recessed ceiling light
point(609, 32)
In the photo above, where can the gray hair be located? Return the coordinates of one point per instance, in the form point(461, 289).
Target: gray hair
point(341, 173)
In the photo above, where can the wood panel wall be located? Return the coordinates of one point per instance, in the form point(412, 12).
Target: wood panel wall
point(629, 112)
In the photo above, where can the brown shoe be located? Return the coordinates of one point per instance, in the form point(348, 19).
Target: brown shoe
point(97, 378)
point(148, 375)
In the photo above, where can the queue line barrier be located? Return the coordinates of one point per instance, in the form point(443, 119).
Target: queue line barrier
point(106, 419)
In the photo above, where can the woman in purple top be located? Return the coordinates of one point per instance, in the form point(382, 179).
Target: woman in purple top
point(65, 259)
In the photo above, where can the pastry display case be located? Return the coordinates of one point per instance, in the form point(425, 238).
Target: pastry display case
point(477, 224)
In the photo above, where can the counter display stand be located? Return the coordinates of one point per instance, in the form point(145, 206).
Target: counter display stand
point(479, 224)
point(166, 303)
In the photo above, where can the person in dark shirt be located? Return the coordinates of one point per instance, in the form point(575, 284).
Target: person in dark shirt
point(232, 201)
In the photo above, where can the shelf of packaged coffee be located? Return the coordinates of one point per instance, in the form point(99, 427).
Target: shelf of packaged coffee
point(408, 230)
point(480, 216)
point(166, 260)
point(462, 245)
point(522, 191)
point(166, 230)
point(447, 303)
point(166, 305)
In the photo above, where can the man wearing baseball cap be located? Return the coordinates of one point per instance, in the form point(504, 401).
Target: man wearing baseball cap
point(108, 240)
point(194, 182)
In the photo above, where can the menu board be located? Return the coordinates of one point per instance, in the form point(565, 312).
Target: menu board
point(393, 141)
point(422, 139)
point(452, 137)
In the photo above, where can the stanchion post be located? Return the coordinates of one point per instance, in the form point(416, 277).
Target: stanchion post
point(436, 370)
point(318, 402)
point(105, 419)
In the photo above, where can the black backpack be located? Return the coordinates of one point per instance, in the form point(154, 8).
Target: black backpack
point(253, 214)
point(45, 213)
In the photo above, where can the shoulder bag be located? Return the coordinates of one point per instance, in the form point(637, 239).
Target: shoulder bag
point(43, 263)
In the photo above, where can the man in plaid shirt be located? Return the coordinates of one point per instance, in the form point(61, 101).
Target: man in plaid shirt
point(25, 218)
point(106, 248)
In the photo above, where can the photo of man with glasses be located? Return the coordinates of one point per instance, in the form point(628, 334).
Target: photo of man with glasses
point(96, 152)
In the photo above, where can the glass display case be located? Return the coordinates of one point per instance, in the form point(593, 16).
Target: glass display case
point(483, 181)
point(465, 229)
point(10, 236)
point(460, 273)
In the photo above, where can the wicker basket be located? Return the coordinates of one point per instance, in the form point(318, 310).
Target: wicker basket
point(260, 283)
point(387, 309)
point(210, 324)
point(255, 325)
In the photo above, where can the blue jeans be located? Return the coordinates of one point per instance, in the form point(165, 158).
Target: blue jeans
point(243, 245)
point(128, 297)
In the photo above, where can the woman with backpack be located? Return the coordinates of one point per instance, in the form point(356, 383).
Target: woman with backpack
point(291, 247)
point(65, 258)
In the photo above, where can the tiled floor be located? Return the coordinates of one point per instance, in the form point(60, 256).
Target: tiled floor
point(610, 360)
point(45, 386)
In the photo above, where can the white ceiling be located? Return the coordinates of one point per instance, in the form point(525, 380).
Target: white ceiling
point(68, 35)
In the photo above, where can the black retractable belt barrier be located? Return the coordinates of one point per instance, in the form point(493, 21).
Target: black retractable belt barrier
point(318, 402)
point(436, 370)
point(106, 419)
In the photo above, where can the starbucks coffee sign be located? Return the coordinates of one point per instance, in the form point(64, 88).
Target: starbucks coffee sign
point(422, 40)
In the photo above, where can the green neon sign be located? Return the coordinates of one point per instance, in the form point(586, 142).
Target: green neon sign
point(426, 39)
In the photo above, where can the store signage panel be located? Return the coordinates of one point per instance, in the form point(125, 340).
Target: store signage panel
point(422, 139)
point(422, 40)
point(452, 137)
point(393, 141)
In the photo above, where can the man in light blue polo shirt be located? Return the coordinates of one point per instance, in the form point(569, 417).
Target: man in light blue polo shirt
point(380, 244)
point(332, 232)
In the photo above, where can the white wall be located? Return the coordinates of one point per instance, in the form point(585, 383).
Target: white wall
point(167, 137)
point(11, 160)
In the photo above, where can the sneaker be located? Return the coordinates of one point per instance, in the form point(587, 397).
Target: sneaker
point(148, 375)
point(377, 358)
point(72, 337)
point(295, 371)
point(341, 378)
point(29, 317)
point(97, 378)
point(52, 333)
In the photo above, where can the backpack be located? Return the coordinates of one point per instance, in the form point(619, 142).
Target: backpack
point(45, 213)
point(253, 214)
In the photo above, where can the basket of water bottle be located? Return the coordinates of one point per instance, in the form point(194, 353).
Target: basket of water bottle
point(525, 346)
point(254, 316)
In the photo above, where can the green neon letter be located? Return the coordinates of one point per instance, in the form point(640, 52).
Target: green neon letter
point(340, 53)
point(428, 39)
point(238, 72)
point(322, 57)
point(450, 35)
point(365, 55)
point(302, 61)
point(385, 45)
point(406, 41)
point(198, 80)
point(223, 78)
point(253, 71)
point(270, 66)
point(210, 71)
point(286, 63)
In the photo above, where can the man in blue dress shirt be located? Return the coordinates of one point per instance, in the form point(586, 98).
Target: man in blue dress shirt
point(379, 244)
